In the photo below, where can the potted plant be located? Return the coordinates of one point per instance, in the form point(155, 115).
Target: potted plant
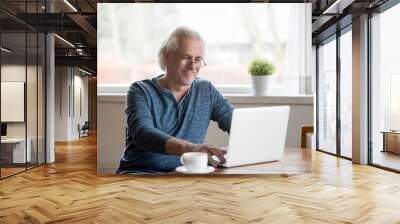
point(261, 71)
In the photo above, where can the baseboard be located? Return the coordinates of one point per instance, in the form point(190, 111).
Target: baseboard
point(107, 168)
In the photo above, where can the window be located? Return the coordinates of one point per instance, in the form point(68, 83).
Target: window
point(385, 89)
point(346, 94)
point(22, 65)
point(327, 96)
point(130, 35)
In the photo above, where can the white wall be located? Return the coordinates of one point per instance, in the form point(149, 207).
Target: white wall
point(17, 73)
point(111, 124)
point(81, 104)
point(33, 125)
point(14, 73)
point(84, 82)
point(70, 84)
point(61, 103)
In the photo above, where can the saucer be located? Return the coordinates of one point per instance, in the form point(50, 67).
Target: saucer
point(182, 169)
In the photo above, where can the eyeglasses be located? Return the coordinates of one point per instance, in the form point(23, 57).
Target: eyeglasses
point(198, 61)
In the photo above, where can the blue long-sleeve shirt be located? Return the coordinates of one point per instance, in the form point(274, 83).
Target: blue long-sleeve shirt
point(153, 116)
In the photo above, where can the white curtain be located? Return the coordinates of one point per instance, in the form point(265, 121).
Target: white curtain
point(297, 70)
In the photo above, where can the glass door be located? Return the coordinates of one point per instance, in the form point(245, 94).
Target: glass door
point(327, 96)
point(13, 103)
point(22, 87)
point(385, 89)
point(346, 93)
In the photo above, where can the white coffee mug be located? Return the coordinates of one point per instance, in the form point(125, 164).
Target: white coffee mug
point(194, 161)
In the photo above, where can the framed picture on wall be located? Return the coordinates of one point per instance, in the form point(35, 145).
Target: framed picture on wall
point(12, 101)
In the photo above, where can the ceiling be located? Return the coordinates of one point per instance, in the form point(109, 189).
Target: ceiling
point(76, 24)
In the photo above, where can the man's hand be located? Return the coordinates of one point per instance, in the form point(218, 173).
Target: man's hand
point(211, 150)
point(176, 146)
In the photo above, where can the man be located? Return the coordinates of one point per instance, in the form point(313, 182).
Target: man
point(169, 114)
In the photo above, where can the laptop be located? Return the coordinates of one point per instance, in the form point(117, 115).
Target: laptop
point(257, 135)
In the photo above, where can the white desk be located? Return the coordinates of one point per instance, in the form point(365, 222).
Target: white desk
point(17, 147)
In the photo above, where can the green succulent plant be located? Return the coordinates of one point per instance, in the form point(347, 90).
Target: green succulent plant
point(259, 67)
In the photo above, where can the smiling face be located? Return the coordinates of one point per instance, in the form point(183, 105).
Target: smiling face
point(183, 64)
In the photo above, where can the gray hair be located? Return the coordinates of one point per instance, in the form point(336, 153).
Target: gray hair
point(172, 43)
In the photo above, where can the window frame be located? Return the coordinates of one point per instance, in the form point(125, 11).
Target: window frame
point(121, 89)
point(333, 37)
point(379, 10)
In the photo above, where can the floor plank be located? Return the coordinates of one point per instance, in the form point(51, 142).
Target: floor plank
point(69, 191)
point(387, 159)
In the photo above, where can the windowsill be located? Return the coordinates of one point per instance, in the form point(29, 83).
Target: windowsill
point(251, 99)
point(233, 98)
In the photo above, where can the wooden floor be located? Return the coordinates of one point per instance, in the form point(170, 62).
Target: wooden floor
point(69, 191)
point(387, 159)
point(9, 170)
point(5, 172)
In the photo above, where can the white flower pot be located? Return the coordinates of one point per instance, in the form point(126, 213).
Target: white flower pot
point(261, 84)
